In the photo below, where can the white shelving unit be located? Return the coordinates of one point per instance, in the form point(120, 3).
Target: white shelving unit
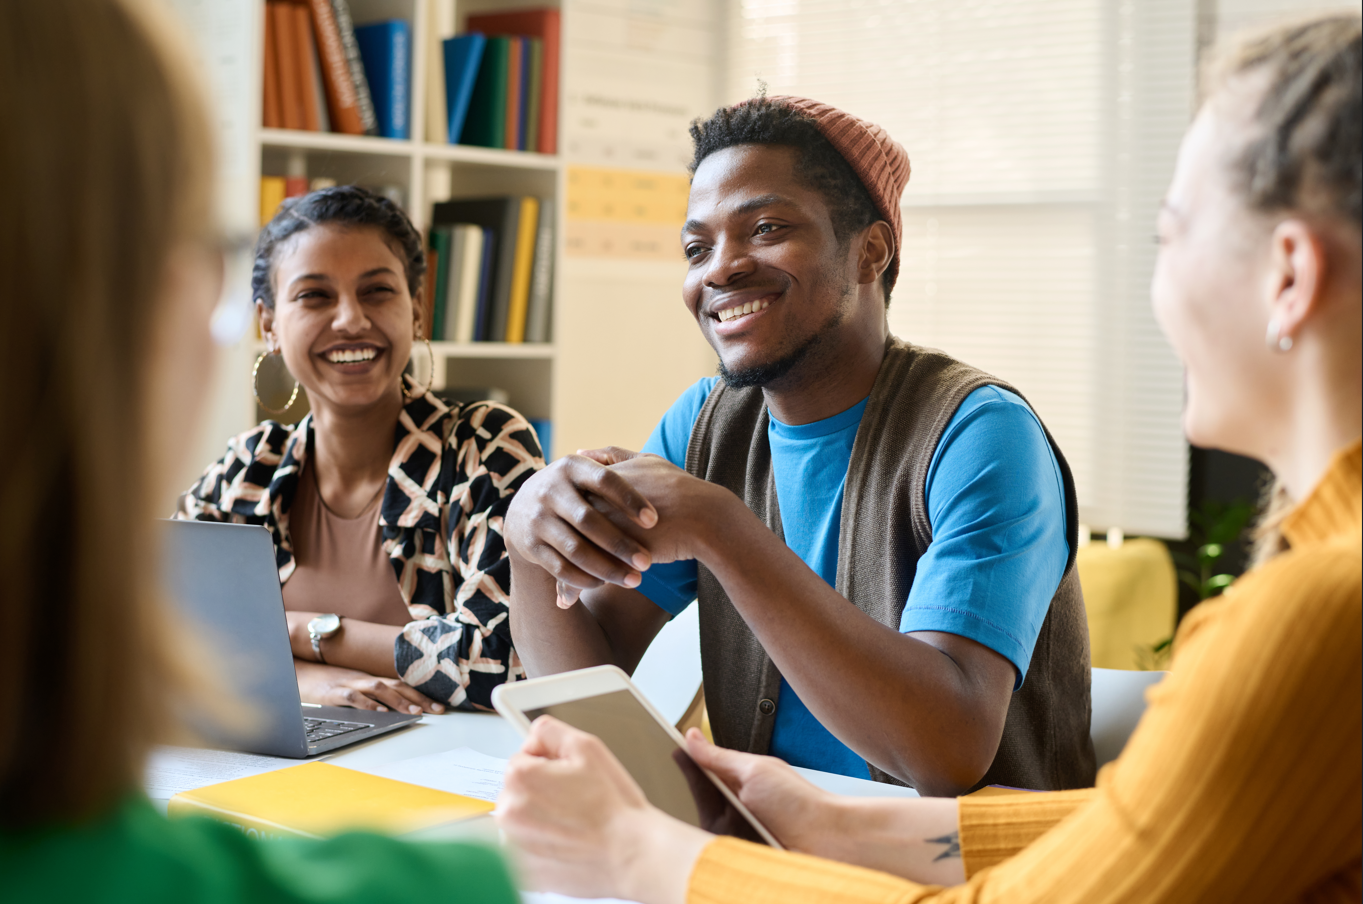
point(426, 173)
point(623, 345)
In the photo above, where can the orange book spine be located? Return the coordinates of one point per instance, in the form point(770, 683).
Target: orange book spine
point(290, 91)
point(302, 54)
point(549, 88)
point(513, 95)
point(271, 116)
point(340, 87)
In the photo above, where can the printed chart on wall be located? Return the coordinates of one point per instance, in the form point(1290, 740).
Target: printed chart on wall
point(626, 138)
point(624, 213)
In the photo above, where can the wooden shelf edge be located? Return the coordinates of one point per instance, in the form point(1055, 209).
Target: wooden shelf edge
point(533, 350)
point(293, 139)
point(334, 141)
point(530, 350)
point(464, 153)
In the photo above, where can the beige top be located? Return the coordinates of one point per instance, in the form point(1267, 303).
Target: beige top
point(341, 566)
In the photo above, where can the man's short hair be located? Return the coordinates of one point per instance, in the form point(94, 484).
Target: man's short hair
point(818, 165)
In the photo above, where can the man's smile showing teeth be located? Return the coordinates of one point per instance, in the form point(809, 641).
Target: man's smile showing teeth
point(751, 307)
point(351, 355)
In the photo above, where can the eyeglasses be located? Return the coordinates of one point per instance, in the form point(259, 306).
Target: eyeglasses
point(234, 312)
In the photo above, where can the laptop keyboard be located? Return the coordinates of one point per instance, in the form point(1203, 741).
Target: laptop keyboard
point(321, 729)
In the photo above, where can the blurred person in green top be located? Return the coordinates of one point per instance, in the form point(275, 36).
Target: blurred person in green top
point(111, 272)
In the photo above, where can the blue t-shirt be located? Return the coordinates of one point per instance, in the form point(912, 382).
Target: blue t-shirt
point(996, 503)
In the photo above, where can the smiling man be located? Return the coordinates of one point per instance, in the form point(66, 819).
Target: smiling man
point(880, 538)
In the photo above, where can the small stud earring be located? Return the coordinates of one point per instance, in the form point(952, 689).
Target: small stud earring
point(1274, 338)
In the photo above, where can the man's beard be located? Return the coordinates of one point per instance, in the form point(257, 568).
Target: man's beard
point(771, 371)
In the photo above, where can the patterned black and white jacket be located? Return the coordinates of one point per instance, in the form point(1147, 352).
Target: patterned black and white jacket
point(453, 473)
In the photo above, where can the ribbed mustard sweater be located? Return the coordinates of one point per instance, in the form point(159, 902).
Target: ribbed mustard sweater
point(1242, 782)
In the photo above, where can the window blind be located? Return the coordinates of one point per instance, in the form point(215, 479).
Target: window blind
point(1042, 135)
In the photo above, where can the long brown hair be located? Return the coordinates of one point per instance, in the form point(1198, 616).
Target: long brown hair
point(108, 162)
point(1303, 150)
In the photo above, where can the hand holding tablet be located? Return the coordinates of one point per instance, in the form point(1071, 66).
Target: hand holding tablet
point(603, 702)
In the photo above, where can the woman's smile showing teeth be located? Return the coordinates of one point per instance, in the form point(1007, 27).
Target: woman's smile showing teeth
point(351, 355)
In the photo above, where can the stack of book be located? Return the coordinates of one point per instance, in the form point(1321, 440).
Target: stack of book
point(490, 273)
point(324, 73)
point(274, 190)
point(501, 81)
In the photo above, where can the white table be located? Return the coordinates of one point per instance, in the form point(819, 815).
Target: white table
point(491, 734)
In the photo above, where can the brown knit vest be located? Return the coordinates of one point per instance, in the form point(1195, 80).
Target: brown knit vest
point(884, 530)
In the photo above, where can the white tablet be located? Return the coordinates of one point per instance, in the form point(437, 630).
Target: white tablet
point(604, 702)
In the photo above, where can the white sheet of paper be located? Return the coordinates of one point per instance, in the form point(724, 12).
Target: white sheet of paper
point(171, 770)
point(460, 771)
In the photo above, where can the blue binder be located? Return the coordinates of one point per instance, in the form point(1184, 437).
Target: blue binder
point(463, 54)
point(386, 49)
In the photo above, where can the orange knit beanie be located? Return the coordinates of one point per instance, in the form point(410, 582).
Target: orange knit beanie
point(879, 161)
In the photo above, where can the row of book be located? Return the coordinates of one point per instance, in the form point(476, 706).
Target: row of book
point(275, 189)
point(490, 270)
point(323, 73)
point(500, 81)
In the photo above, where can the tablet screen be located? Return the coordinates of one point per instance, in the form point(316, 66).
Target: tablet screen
point(671, 780)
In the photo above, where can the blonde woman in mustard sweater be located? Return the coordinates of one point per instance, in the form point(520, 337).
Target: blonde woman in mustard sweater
point(1242, 781)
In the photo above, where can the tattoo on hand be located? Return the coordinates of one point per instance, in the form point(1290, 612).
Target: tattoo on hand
point(953, 843)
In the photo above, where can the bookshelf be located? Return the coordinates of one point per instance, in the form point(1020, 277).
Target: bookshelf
point(623, 347)
point(424, 173)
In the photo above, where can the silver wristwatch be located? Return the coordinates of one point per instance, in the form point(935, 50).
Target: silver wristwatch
point(319, 629)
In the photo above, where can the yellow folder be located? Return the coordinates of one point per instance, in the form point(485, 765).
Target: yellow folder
point(314, 800)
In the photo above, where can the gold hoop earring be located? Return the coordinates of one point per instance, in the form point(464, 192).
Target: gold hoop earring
point(255, 388)
point(430, 353)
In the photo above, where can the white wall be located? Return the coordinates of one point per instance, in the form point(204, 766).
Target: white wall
point(636, 72)
point(224, 37)
point(1042, 134)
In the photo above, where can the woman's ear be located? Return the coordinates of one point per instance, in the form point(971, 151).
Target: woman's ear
point(265, 317)
point(1296, 276)
point(419, 328)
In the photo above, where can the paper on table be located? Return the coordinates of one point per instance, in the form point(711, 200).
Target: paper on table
point(171, 770)
point(460, 771)
point(549, 897)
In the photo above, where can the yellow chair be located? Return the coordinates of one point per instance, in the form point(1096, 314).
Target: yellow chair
point(1131, 594)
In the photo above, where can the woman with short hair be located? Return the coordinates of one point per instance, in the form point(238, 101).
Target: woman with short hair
point(112, 268)
point(1242, 781)
point(385, 503)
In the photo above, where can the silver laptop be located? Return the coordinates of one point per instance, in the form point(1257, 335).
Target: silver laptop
point(224, 581)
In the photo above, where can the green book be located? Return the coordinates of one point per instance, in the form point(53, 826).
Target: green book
point(534, 94)
point(442, 238)
point(486, 123)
